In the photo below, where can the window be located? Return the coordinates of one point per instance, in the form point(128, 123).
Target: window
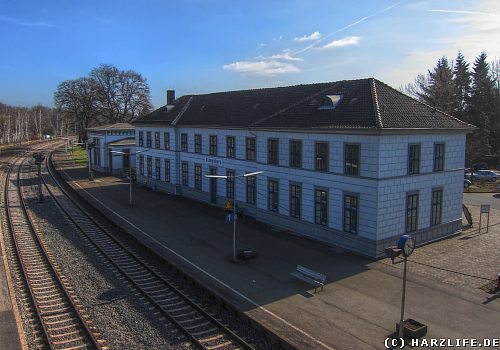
point(437, 206)
point(321, 207)
point(273, 195)
point(141, 138)
point(250, 143)
point(230, 147)
point(157, 168)
point(185, 174)
point(330, 101)
point(167, 170)
point(197, 143)
point(350, 213)
point(413, 159)
point(351, 155)
point(149, 170)
point(251, 193)
point(296, 154)
point(157, 139)
point(166, 140)
point(438, 156)
point(411, 212)
point(141, 164)
point(148, 139)
point(295, 200)
point(273, 151)
point(321, 156)
point(197, 176)
point(213, 145)
point(184, 142)
point(230, 183)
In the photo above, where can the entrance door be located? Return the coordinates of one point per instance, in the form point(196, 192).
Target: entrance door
point(110, 162)
point(213, 186)
point(126, 161)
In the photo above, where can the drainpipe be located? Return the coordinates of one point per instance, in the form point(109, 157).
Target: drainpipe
point(177, 160)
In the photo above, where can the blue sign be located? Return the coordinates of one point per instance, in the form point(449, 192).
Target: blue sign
point(229, 217)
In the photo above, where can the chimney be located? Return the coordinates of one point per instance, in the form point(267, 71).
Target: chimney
point(170, 97)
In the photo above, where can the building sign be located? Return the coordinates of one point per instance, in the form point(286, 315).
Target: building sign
point(485, 208)
point(213, 161)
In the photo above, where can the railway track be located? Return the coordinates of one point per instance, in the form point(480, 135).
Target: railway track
point(63, 322)
point(199, 326)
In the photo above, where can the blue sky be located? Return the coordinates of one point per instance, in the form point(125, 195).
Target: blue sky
point(199, 46)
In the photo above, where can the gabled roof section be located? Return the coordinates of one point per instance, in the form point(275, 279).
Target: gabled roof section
point(128, 141)
point(399, 111)
point(164, 115)
point(116, 126)
point(364, 104)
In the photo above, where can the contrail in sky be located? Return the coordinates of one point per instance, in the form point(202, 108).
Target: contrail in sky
point(307, 48)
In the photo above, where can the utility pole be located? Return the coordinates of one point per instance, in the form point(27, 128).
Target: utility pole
point(39, 157)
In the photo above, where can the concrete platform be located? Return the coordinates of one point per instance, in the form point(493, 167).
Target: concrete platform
point(358, 308)
point(9, 339)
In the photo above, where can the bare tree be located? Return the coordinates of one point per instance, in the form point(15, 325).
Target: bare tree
point(122, 95)
point(76, 100)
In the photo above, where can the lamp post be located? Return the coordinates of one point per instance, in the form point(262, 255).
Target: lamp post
point(234, 201)
point(129, 172)
point(90, 146)
point(406, 246)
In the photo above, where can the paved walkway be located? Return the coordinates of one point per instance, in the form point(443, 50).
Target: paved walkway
point(473, 255)
point(360, 304)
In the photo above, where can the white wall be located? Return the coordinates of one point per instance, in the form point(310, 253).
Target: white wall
point(394, 183)
point(381, 186)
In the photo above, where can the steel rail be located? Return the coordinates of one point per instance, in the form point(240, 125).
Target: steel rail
point(238, 341)
point(49, 273)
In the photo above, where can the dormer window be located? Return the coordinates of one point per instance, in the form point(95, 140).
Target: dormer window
point(330, 101)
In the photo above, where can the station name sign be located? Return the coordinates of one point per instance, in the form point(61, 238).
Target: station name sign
point(213, 161)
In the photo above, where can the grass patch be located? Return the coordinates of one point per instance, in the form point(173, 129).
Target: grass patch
point(79, 155)
point(483, 187)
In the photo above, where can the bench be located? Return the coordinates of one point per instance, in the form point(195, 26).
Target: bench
point(307, 275)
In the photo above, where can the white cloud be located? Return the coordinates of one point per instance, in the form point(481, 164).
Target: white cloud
point(268, 68)
point(19, 22)
point(313, 37)
point(480, 31)
point(347, 41)
point(285, 56)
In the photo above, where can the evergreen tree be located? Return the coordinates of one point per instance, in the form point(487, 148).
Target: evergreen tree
point(438, 89)
point(482, 104)
point(462, 81)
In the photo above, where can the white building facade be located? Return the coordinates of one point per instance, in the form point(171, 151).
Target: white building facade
point(108, 142)
point(354, 186)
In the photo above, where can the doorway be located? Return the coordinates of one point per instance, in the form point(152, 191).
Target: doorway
point(110, 162)
point(213, 186)
point(126, 161)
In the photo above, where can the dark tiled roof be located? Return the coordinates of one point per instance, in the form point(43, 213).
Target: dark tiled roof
point(365, 103)
point(116, 126)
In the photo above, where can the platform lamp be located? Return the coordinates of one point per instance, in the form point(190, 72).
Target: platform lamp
point(234, 200)
point(406, 246)
point(129, 172)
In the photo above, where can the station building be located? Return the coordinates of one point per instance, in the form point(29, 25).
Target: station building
point(119, 137)
point(354, 164)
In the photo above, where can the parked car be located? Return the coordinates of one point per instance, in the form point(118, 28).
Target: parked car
point(483, 175)
point(467, 183)
point(480, 166)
